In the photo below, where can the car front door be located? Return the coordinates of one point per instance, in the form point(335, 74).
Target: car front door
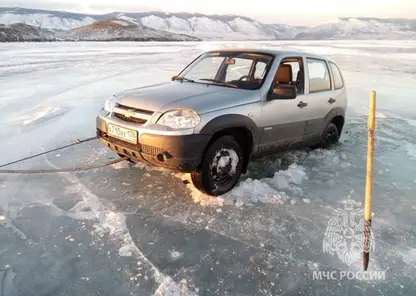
point(283, 120)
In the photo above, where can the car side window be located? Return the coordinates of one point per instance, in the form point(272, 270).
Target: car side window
point(291, 71)
point(336, 73)
point(319, 78)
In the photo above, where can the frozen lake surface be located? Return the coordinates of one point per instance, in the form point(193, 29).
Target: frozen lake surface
point(137, 230)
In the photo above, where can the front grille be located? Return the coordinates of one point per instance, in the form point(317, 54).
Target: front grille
point(130, 119)
point(124, 143)
point(148, 112)
point(151, 150)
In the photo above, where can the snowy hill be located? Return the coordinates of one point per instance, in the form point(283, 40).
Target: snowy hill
point(226, 27)
point(362, 28)
point(51, 20)
point(108, 30)
point(23, 32)
point(119, 29)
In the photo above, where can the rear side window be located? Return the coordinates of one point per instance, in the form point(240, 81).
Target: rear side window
point(319, 78)
point(338, 82)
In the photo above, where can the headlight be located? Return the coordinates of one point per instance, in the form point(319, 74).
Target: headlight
point(180, 118)
point(110, 104)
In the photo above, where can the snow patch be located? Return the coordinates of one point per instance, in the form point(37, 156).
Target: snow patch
point(268, 190)
point(410, 150)
point(121, 22)
point(380, 115)
point(409, 257)
point(170, 288)
point(198, 196)
point(39, 114)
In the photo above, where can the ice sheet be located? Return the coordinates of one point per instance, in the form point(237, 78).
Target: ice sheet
point(51, 93)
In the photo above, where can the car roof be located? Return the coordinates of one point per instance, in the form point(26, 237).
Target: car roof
point(273, 52)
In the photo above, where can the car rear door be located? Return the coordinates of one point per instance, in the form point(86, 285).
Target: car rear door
point(319, 89)
point(339, 96)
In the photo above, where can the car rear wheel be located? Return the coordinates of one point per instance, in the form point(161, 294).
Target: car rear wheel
point(221, 167)
point(330, 136)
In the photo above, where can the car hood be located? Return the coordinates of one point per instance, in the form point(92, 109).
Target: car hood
point(196, 96)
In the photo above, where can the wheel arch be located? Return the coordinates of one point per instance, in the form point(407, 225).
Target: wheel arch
point(241, 127)
point(336, 116)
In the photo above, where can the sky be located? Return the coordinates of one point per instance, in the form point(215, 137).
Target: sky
point(296, 12)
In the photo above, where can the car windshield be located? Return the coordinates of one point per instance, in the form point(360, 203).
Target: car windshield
point(244, 70)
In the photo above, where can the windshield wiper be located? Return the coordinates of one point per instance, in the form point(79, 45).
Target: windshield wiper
point(218, 82)
point(184, 79)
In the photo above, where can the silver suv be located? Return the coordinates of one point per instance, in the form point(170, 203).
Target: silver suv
point(226, 108)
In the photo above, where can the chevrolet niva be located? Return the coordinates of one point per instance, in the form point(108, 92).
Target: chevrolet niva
point(226, 108)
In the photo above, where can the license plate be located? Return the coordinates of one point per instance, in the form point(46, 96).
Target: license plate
point(122, 133)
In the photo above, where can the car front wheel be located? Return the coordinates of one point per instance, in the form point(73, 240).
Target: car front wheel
point(221, 167)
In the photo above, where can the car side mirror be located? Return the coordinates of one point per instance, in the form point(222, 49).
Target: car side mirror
point(283, 92)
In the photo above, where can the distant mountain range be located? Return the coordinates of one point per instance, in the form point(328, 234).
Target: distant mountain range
point(62, 25)
point(120, 29)
point(362, 28)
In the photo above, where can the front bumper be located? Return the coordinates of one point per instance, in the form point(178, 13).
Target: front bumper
point(178, 152)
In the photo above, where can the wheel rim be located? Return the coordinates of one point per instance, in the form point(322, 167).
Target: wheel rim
point(224, 166)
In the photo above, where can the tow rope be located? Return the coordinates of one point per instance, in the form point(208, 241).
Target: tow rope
point(77, 169)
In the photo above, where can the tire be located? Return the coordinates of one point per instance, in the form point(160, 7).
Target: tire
point(221, 167)
point(329, 137)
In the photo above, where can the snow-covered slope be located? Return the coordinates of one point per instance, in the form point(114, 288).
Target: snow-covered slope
point(218, 27)
point(362, 28)
point(52, 20)
point(24, 32)
point(209, 27)
point(119, 29)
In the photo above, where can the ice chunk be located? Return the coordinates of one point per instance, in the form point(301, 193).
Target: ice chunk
point(175, 255)
point(251, 191)
point(127, 250)
point(121, 165)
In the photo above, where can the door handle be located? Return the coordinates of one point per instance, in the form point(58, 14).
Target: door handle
point(302, 104)
point(331, 101)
